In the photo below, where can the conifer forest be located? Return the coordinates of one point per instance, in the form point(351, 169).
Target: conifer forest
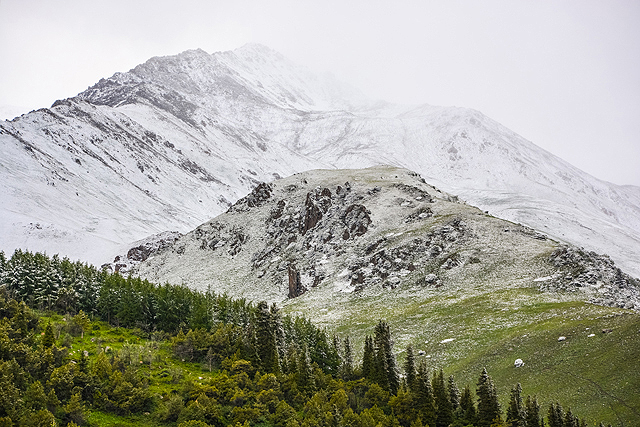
point(83, 346)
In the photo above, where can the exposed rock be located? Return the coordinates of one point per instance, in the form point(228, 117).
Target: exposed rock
point(357, 238)
point(317, 203)
point(257, 197)
point(295, 285)
point(518, 363)
point(356, 220)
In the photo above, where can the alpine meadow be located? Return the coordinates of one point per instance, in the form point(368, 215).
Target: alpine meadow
point(229, 239)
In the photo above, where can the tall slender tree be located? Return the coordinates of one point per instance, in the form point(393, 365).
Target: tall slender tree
point(454, 393)
point(267, 343)
point(410, 368)
point(388, 377)
point(533, 412)
point(467, 411)
point(423, 396)
point(444, 409)
point(346, 368)
point(368, 359)
point(488, 406)
point(516, 412)
point(555, 415)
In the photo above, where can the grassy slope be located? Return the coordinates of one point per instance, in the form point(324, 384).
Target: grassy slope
point(595, 376)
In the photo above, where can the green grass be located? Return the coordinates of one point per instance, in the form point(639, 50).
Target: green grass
point(597, 377)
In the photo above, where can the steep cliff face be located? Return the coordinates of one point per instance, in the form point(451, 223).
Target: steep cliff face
point(176, 140)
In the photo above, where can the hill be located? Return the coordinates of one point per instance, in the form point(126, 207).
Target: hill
point(173, 142)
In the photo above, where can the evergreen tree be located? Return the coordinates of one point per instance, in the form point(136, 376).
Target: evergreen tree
point(48, 338)
point(444, 409)
point(410, 368)
point(305, 375)
point(570, 420)
point(368, 359)
point(454, 393)
point(532, 409)
point(423, 398)
point(467, 410)
point(555, 415)
point(516, 413)
point(267, 343)
point(386, 369)
point(346, 369)
point(488, 406)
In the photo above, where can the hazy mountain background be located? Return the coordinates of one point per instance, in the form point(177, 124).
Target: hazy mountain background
point(174, 141)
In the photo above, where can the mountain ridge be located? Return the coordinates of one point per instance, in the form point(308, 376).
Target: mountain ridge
point(218, 124)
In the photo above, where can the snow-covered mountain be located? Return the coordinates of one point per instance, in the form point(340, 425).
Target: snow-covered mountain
point(382, 232)
point(171, 143)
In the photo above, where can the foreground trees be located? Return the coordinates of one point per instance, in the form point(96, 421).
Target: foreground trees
point(253, 365)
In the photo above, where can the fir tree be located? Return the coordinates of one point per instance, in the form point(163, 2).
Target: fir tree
point(387, 373)
point(467, 410)
point(555, 415)
point(305, 375)
point(423, 398)
point(488, 406)
point(570, 420)
point(410, 368)
point(444, 409)
point(48, 338)
point(532, 409)
point(454, 393)
point(346, 369)
point(267, 343)
point(516, 413)
point(368, 359)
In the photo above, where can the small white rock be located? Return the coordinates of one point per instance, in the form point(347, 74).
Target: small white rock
point(562, 338)
point(591, 335)
point(518, 363)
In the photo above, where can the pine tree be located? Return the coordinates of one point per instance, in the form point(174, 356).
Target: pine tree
point(368, 359)
point(570, 420)
point(555, 415)
point(423, 396)
point(48, 338)
point(346, 369)
point(410, 368)
point(386, 369)
point(467, 410)
point(305, 375)
point(454, 393)
point(533, 412)
point(267, 343)
point(488, 406)
point(516, 413)
point(444, 409)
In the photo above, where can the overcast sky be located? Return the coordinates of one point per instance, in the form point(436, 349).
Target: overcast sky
point(563, 74)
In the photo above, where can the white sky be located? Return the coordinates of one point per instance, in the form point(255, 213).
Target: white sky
point(564, 74)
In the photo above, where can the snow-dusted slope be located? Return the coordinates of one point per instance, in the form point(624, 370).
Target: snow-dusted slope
point(383, 233)
point(171, 143)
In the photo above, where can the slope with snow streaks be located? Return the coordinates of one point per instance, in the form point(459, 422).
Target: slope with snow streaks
point(171, 142)
point(339, 235)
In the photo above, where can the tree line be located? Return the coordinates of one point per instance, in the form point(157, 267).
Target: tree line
point(263, 368)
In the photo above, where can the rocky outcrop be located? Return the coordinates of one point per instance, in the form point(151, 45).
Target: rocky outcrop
point(356, 220)
point(317, 203)
point(382, 231)
point(295, 285)
point(579, 269)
